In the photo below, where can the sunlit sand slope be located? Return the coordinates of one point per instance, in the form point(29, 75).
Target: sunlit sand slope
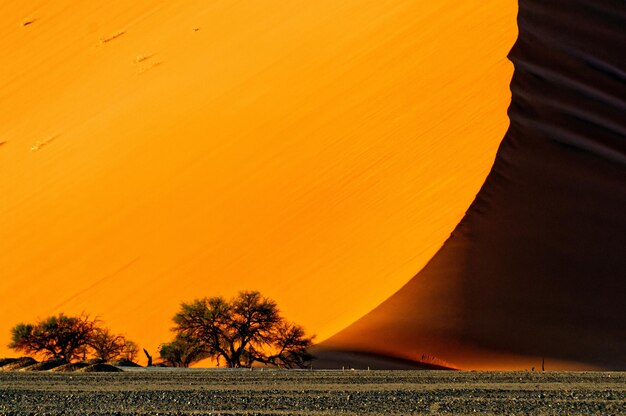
point(318, 151)
point(537, 268)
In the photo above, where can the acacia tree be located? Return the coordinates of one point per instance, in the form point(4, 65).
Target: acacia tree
point(130, 350)
point(107, 346)
point(242, 331)
point(182, 352)
point(289, 347)
point(57, 337)
point(69, 338)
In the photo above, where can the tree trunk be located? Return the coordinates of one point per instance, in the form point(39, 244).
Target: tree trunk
point(149, 357)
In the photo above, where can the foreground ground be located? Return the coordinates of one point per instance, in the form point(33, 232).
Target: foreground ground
point(222, 392)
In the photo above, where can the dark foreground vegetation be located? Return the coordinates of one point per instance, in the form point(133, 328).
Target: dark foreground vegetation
point(241, 332)
point(280, 392)
point(65, 339)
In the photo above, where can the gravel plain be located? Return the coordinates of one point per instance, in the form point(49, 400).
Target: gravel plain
point(276, 392)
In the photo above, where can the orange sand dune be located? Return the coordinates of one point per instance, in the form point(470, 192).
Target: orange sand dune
point(318, 151)
point(537, 267)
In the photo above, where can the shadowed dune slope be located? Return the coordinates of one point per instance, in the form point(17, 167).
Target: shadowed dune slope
point(537, 267)
point(318, 151)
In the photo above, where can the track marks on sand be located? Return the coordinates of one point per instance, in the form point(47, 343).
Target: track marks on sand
point(42, 143)
point(112, 37)
point(146, 63)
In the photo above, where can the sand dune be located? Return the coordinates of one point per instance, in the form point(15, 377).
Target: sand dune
point(537, 268)
point(320, 152)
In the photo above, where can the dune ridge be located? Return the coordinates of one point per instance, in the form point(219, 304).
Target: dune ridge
point(537, 267)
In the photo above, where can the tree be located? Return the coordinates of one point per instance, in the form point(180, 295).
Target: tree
point(290, 347)
point(182, 352)
point(148, 356)
point(70, 338)
point(246, 330)
point(107, 346)
point(57, 337)
point(130, 350)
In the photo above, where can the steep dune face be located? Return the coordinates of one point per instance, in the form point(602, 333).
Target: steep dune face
point(537, 268)
point(318, 151)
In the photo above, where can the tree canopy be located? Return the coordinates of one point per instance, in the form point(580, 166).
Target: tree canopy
point(106, 345)
point(182, 352)
point(59, 337)
point(247, 329)
point(70, 338)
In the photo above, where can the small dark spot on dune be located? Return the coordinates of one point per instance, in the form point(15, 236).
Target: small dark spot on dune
point(195, 29)
point(28, 22)
point(1, 143)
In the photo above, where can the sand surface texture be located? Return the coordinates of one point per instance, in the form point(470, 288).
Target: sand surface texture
point(154, 152)
point(202, 392)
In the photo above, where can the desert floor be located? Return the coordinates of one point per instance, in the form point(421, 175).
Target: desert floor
point(222, 392)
